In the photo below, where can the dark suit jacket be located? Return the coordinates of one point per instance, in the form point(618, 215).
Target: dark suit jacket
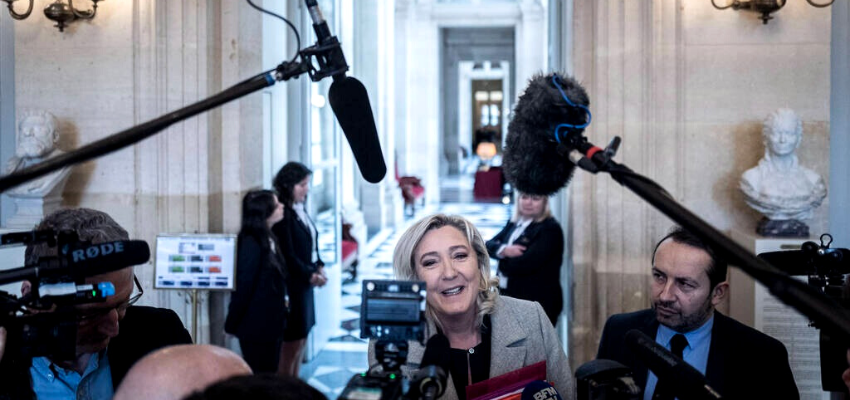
point(143, 330)
point(257, 308)
point(296, 244)
point(743, 363)
point(536, 275)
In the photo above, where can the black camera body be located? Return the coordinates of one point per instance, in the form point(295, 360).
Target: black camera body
point(826, 269)
point(392, 312)
point(56, 289)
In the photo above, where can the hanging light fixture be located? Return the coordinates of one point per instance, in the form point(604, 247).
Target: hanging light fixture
point(765, 7)
point(59, 11)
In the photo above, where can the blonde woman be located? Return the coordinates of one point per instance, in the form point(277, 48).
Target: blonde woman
point(489, 335)
point(530, 248)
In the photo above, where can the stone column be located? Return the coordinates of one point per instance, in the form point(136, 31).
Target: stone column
point(7, 103)
point(839, 162)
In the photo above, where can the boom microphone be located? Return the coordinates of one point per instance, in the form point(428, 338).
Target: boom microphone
point(349, 101)
point(350, 104)
point(85, 261)
point(532, 161)
point(685, 381)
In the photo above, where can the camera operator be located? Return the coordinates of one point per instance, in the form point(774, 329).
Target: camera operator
point(104, 353)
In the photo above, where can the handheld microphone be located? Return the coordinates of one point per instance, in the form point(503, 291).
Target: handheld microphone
point(432, 375)
point(540, 390)
point(349, 100)
point(685, 381)
point(85, 261)
point(534, 161)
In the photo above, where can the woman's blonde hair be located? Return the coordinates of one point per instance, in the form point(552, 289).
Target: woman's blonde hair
point(547, 211)
point(404, 263)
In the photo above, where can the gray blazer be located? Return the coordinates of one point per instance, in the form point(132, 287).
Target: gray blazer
point(522, 335)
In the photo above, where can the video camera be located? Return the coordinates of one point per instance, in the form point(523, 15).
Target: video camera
point(826, 269)
point(392, 313)
point(57, 285)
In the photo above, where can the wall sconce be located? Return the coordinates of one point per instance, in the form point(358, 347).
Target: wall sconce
point(765, 7)
point(59, 11)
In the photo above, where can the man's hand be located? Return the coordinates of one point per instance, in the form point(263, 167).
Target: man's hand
point(514, 250)
point(846, 375)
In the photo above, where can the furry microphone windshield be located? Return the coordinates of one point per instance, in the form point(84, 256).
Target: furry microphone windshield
point(532, 162)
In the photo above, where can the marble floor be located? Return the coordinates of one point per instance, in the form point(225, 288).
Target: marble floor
point(346, 354)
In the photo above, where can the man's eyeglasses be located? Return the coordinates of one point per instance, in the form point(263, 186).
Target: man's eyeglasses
point(121, 308)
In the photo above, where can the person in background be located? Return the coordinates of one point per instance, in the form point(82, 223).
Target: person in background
point(257, 312)
point(489, 335)
point(104, 353)
point(174, 372)
point(298, 240)
point(530, 249)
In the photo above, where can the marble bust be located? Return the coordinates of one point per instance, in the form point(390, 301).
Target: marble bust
point(779, 187)
point(36, 138)
point(36, 142)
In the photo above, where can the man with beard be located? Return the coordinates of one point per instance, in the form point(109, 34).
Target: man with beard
point(104, 353)
point(37, 137)
point(688, 281)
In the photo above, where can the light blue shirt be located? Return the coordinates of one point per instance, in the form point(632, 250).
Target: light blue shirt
point(50, 381)
point(695, 353)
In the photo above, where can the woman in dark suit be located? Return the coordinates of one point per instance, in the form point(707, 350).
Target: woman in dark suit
point(529, 249)
point(257, 312)
point(298, 238)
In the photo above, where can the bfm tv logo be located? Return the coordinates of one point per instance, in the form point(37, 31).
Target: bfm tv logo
point(548, 393)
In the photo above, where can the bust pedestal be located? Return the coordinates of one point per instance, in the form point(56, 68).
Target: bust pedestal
point(753, 305)
point(31, 209)
point(11, 257)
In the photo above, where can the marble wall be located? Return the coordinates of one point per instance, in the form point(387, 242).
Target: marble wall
point(686, 86)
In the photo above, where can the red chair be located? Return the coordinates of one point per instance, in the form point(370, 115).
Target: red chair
point(411, 190)
point(349, 251)
point(488, 185)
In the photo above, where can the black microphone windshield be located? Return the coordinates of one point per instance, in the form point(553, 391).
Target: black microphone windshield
point(539, 390)
point(84, 261)
point(106, 257)
point(350, 104)
point(531, 161)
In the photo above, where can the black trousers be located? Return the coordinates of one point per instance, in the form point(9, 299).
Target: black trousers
point(261, 356)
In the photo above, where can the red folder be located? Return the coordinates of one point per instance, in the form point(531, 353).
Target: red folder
point(507, 385)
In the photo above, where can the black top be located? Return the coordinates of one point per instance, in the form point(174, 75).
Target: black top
point(479, 362)
point(257, 308)
point(536, 274)
point(296, 245)
point(743, 363)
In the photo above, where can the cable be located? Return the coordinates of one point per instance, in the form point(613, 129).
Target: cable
point(297, 36)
